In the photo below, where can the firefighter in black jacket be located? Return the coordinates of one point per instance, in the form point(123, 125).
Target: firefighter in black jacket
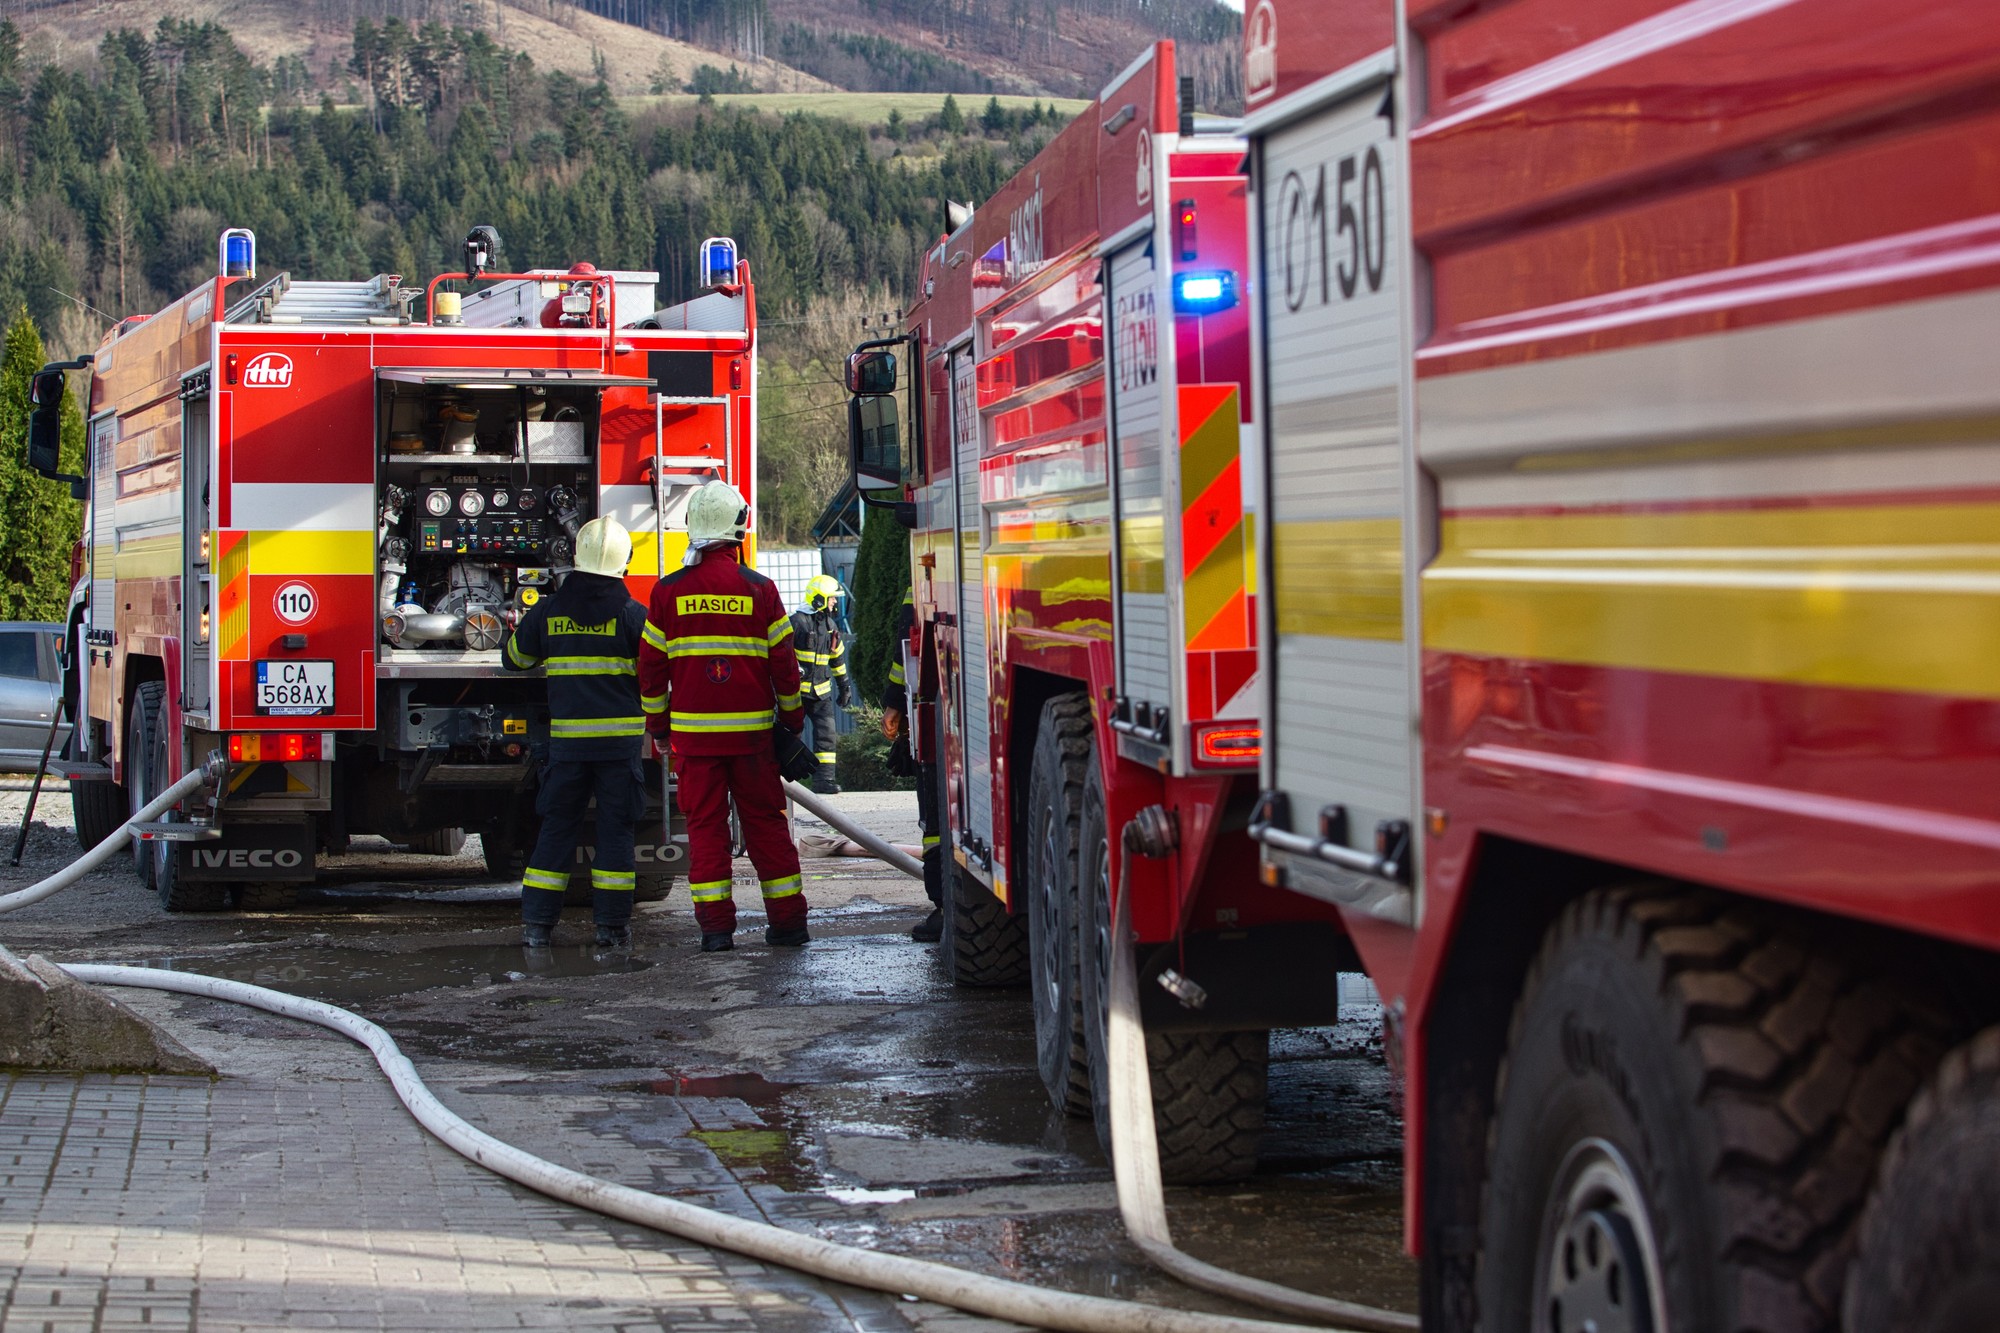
point(587, 634)
point(895, 708)
point(823, 669)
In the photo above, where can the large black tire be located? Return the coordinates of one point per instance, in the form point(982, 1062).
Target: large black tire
point(505, 854)
point(984, 944)
point(1929, 1260)
point(653, 886)
point(176, 894)
point(1208, 1087)
point(270, 896)
point(99, 807)
point(1693, 1100)
point(438, 842)
point(139, 788)
point(1063, 756)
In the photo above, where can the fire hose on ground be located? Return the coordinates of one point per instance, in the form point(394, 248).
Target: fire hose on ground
point(972, 1292)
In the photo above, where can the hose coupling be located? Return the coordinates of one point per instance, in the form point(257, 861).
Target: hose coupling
point(1153, 833)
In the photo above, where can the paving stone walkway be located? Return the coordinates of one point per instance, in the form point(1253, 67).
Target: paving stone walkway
point(296, 1193)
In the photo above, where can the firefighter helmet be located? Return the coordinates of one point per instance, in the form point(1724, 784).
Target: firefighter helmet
point(716, 516)
point(603, 547)
point(822, 591)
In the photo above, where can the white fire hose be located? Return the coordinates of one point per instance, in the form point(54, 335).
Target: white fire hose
point(1133, 1145)
point(119, 840)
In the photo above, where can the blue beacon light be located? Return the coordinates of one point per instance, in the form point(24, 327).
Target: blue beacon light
point(1203, 293)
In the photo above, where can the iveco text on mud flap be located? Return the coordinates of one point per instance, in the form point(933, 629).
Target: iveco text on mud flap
point(251, 852)
point(323, 504)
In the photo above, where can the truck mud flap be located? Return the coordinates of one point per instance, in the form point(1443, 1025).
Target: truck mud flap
point(1270, 976)
point(247, 851)
point(652, 852)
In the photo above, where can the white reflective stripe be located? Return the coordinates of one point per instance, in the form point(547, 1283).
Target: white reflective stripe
point(717, 646)
point(573, 728)
point(592, 666)
point(782, 888)
point(309, 506)
point(654, 635)
point(554, 881)
point(724, 721)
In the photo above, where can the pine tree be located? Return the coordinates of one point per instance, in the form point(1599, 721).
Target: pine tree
point(38, 516)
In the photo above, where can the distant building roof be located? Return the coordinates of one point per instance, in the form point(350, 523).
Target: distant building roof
point(839, 524)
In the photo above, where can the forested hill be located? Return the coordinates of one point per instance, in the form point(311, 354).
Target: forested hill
point(116, 176)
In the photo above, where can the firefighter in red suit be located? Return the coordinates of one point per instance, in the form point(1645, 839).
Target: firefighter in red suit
point(717, 671)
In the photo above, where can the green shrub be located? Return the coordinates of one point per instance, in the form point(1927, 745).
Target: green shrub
point(864, 756)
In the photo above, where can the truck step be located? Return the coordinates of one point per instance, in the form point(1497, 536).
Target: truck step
point(176, 831)
point(77, 770)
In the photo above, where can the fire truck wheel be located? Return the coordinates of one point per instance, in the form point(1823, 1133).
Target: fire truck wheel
point(272, 897)
point(1063, 756)
point(1208, 1087)
point(438, 842)
point(139, 788)
point(162, 867)
point(1693, 1100)
point(1932, 1231)
point(506, 856)
point(99, 807)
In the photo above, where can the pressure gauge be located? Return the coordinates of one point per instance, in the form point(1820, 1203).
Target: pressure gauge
point(501, 499)
point(525, 500)
point(437, 504)
point(472, 504)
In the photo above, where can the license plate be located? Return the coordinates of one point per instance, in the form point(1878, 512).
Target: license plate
point(294, 689)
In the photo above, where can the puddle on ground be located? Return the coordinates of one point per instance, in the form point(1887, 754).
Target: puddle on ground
point(344, 975)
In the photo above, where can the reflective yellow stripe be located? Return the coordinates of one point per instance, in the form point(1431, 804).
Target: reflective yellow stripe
point(782, 888)
point(757, 721)
point(788, 701)
point(825, 757)
point(554, 881)
point(654, 635)
point(517, 657)
point(896, 672)
point(812, 658)
point(840, 668)
point(716, 646)
point(592, 666)
point(576, 728)
point(613, 879)
point(781, 629)
point(653, 703)
point(709, 891)
point(822, 688)
point(931, 840)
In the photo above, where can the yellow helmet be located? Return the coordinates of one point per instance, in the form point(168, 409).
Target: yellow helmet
point(822, 592)
point(603, 547)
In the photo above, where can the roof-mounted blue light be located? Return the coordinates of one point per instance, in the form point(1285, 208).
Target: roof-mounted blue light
point(718, 261)
point(1204, 293)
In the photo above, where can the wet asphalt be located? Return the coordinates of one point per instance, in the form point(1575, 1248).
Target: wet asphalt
point(846, 1087)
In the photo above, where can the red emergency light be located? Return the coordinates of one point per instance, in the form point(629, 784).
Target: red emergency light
point(1184, 229)
point(271, 747)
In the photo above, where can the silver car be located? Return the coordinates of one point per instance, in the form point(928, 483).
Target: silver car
point(30, 693)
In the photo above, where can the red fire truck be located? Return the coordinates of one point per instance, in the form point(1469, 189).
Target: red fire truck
point(1085, 644)
point(1631, 633)
point(314, 509)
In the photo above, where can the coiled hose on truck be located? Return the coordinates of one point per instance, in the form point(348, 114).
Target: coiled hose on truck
point(972, 1292)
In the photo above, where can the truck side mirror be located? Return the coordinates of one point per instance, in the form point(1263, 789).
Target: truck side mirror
point(45, 423)
point(871, 373)
point(874, 443)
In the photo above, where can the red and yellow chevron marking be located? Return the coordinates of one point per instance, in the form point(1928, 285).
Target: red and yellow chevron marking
point(232, 594)
point(1215, 541)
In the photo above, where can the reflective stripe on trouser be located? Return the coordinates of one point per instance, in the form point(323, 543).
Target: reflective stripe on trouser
point(824, 716)
point(564, 804)
point(707, 781)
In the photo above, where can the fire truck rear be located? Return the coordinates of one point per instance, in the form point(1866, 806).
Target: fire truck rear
point(1083, 668)
point(314, 510)
point(1631, 634)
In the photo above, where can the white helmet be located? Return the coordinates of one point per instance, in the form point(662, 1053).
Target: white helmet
point(717, 515)
point(603, 547)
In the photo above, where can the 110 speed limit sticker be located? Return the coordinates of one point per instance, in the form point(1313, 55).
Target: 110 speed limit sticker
point(296, 603)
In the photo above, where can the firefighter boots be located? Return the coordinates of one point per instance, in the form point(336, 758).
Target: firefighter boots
point(614, 937)
point(930, 930)
point(535, 935)
point(717, 941)
point(786, 937)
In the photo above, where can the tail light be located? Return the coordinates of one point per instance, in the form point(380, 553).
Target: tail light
point(1228, 744)
point(272, 747)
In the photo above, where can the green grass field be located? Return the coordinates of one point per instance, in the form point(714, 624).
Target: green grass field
point(863, 108)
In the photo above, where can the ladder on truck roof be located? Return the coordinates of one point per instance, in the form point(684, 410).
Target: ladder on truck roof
point(380, 300)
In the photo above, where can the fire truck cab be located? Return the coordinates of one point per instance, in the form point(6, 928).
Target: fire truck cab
point(1083, 666)
point(314, 510)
